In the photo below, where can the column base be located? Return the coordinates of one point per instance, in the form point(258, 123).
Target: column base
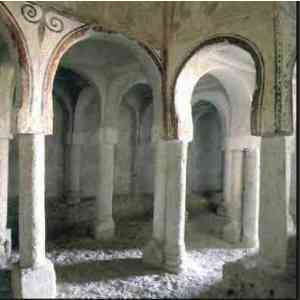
point(5, 250)
point(255, 277)
point(153, 254)
point(33, 282)
point(175, 262)
point(104, 230)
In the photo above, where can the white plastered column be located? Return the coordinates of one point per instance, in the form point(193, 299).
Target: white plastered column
point(5, 233)
point(75, 141)
point(175, 197)
point(291, 179)
point(34, 275)
point(74, 166)
point(233, 190)
point(273, 202)
point(104, 228)
point(251, 197)
point(167, 247)
point(289, 152)
point(154, 251)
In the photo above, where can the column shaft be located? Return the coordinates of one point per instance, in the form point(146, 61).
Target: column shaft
point(32, 199)
point(34, 276)
point(4, 167)
point(233, 194)
point(289, 145)
point(153, 252)
point(175, 252)
point(74, 173)
point(251, 197)
point(273, 201)
point(104, 224)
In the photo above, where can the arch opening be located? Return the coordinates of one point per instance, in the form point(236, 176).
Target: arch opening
point(226, 75)
point(222, 57)
point(113, 66)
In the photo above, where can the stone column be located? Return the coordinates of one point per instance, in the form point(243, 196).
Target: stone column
point(74, 156)
point(5, 234)
point(104, 228)
point(175, 252)
point(289, 161)
point(34, 275)
point(189, 186)
point(291, 194)
point(273, 202)
point(154, 251)
point(251, 197)
point(233, 188)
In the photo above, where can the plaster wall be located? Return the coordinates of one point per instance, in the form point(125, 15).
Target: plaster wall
point(141, 20)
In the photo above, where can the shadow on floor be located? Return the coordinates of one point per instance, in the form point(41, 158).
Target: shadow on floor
point(103, 270)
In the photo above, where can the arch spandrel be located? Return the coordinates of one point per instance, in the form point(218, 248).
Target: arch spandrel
point(36, 32)
point(7, 112)
point(16, 85)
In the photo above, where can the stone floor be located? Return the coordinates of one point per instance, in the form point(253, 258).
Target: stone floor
point(87, 269)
